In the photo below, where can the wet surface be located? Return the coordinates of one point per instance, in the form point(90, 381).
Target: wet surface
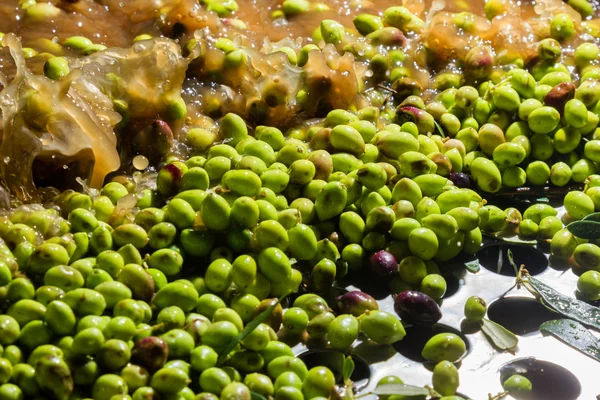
point(520, 315)
point(549, 381)
point(489, 258)
point(452, 285)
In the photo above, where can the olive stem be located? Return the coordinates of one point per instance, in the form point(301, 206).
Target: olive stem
point(497, 396)
point(432, 392)
point(522, 279)
point(388, 89)
point(158, 327)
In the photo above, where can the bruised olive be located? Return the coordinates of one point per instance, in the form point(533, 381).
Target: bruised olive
point(150, 352)
point(356, 303)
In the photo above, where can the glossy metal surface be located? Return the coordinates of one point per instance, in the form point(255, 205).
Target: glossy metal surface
point(480, 368)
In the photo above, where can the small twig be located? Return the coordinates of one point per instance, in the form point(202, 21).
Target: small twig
point(508, 291)
point(389, 89)
point(497, 396)
point(520, 276)
point(432, 392)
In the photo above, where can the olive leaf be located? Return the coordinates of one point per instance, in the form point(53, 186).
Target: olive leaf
point(514, 239)
point(440, 130)
point(585, 229)
point(500, 263)
point(592, 217)
point(564, 305)
point(247, 330)
point(501, 338)
point(348, 369)
point(256, 396)
point(473, 266)
point(400, 388)
point(574, 334)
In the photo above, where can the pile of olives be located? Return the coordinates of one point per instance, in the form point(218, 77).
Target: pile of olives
point(136, 291)
point(129, 293)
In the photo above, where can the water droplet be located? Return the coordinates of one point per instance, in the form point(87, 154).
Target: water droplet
point(140, 162)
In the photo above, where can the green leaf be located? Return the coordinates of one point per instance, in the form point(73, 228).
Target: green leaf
point(585, 229)
point(512, 262)
point(501, 338)
point(565, 305)
point(592, 217)
point(473, 266)
point(574, 334)
point(512, 239)
point(516, 239)
point(500, 262)
point(348, 369)
point(257, 396)
point(440, 130)
point(400, 388)
point(247, 330)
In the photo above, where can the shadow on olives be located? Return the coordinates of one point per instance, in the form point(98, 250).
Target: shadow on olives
point(416, 336)
point(520, 315)
point(533, 259)
point(329, 296)
point(332, 294)
point(334, 360)
point(560, 264)
point(452, 285)
point(549, 381)
point(469, 327)
point(367, 283)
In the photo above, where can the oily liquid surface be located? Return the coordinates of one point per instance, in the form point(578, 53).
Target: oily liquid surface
point(210, 90)
point(115, 23)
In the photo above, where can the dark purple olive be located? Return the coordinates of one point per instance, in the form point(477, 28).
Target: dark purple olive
point(417, 308)
point(559, 95)
point(384, 264)
point(162, 137)
point(153, 140)
point(425, 121)
point(460, 179)
point(356, 303)
point(150, 352)
point(479, 62)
